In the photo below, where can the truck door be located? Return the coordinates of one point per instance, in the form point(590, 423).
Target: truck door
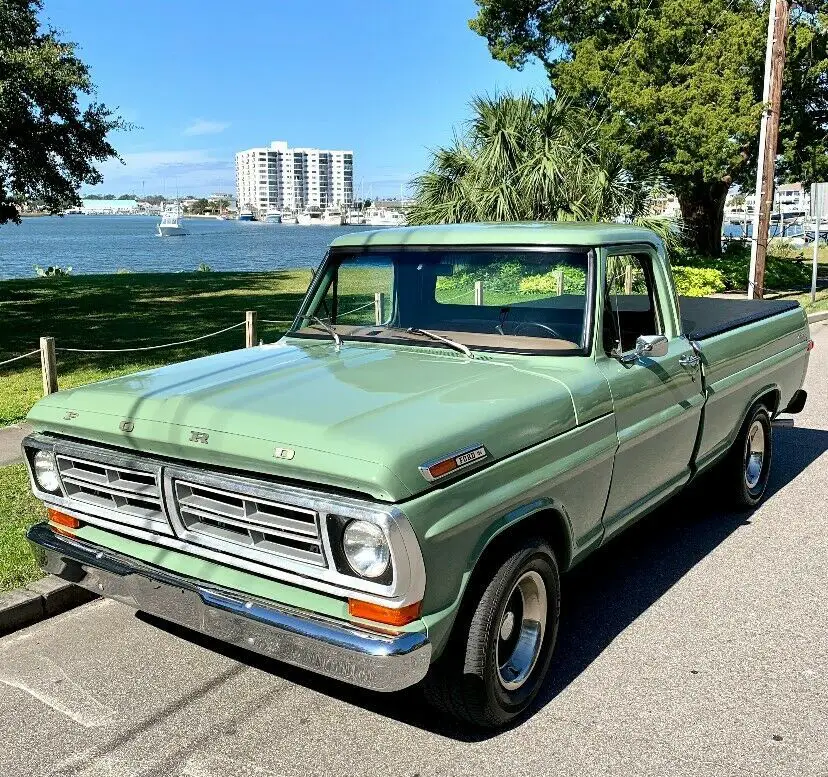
point(657, 400)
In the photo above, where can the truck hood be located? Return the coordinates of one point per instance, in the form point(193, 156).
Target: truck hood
point(364, 418)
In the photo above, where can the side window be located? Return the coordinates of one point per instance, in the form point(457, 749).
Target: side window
point(630, 302)
point(355, 294)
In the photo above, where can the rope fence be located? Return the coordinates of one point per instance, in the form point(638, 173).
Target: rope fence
point(17, 358)
point(152, 347)
point(48, 350)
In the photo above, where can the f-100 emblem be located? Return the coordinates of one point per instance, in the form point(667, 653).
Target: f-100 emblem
point(201, 437)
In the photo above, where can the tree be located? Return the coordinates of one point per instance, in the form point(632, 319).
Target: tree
point(48, 142)
point(200, 207)
point(524, 158)
point(676, 84)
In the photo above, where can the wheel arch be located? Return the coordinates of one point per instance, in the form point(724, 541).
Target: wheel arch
point(770, 396)
point(548, 521)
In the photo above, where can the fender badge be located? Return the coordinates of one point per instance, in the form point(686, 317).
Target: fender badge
point(70, 414)
point(284, 453)
point(126, 426)
point(448, 465)
point(201, 437)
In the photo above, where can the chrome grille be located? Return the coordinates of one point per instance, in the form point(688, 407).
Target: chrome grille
point(219, 518)
point(128, 496)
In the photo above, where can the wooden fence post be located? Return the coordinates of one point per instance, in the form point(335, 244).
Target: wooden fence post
point(478, 292)
point(628, 272)
point(559, 281)
point(250, 329)
point(379, 307)
point(48, 365)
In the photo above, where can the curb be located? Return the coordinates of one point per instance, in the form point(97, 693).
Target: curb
point(39, 600)
point(821, 316)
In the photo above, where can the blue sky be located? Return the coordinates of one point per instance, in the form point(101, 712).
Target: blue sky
point(389, 79)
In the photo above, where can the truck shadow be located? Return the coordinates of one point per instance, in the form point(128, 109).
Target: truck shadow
point(600, 598)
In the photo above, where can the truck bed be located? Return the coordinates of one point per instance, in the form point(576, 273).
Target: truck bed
point(704, 317)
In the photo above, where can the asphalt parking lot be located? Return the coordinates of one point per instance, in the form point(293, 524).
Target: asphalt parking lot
point(696, 644)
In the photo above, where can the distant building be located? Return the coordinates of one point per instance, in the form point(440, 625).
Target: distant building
point(791, 198)
point(665, 205)
point(787, 198)
point(107, 207)
point(278, 177)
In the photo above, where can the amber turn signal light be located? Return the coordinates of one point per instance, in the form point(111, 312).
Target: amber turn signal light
point(62, 521)
point(442, 468)
point(387, 615)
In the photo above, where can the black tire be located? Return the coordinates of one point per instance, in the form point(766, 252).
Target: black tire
point(467, 681)
point(747, 480)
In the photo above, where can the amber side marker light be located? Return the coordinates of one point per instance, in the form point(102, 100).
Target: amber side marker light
point(442, 468)
point(387, 615)
point(810, 345)
point(62, 523)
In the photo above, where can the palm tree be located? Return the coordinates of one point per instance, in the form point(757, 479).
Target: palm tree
point(528, 159)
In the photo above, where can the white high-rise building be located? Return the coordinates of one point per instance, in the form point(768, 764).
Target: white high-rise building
point(278, 177)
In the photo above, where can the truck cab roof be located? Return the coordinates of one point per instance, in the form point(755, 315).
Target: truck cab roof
point(536, 233)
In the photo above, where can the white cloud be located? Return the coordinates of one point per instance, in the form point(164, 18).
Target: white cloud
point(206, 127)
point(160, 171)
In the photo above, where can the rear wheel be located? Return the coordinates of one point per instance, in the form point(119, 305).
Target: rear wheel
point(500, 651)
point(747, 467)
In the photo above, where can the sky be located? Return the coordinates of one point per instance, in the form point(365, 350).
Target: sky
point(388, 79)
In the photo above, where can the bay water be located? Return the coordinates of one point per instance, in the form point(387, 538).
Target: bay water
point(106, 244)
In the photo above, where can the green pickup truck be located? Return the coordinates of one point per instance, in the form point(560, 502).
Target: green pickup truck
point(388, 494)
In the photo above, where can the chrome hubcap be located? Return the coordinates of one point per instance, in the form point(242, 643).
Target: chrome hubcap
point(521, 631)
point(754, 454)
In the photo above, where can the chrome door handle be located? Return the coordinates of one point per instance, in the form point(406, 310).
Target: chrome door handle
point(690, 360)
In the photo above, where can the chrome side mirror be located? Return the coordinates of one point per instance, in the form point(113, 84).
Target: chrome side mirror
point(654, 346)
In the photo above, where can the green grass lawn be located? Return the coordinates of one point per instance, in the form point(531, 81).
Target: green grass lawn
point(130, 310)
point(18, 510)
point(804, 299)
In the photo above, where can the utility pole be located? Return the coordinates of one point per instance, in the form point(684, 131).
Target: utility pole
point(768, 141)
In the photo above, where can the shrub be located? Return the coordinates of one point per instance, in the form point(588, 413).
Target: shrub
point(782, 273)
point(52, 271)
point(574, 282)
point(698, 281)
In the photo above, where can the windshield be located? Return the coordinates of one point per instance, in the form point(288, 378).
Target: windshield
point(503, 300)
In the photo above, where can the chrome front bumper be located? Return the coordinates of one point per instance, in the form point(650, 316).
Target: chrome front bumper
point(362, 657)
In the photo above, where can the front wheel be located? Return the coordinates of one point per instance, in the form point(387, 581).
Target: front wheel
point(499, 656)
point(747, 467)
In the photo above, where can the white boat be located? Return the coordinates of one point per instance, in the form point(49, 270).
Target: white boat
point(169, 226)
point(273, 216)
point(383, 217)
point(289, 217)
point(333, 217)
point(245, 215)
point(310, 217)
point(355, 218)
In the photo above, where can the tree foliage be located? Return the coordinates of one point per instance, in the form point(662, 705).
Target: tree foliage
point(524, 158)
point(48, 141)
point(676, 84)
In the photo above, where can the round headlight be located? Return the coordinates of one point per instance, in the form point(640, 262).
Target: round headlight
point(366, 548)
point(45, 471)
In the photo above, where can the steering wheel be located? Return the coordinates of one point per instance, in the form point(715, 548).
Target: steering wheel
point(521, 324)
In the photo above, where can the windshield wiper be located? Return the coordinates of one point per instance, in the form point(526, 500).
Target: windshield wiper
point(330, 330)
point(453, 343)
